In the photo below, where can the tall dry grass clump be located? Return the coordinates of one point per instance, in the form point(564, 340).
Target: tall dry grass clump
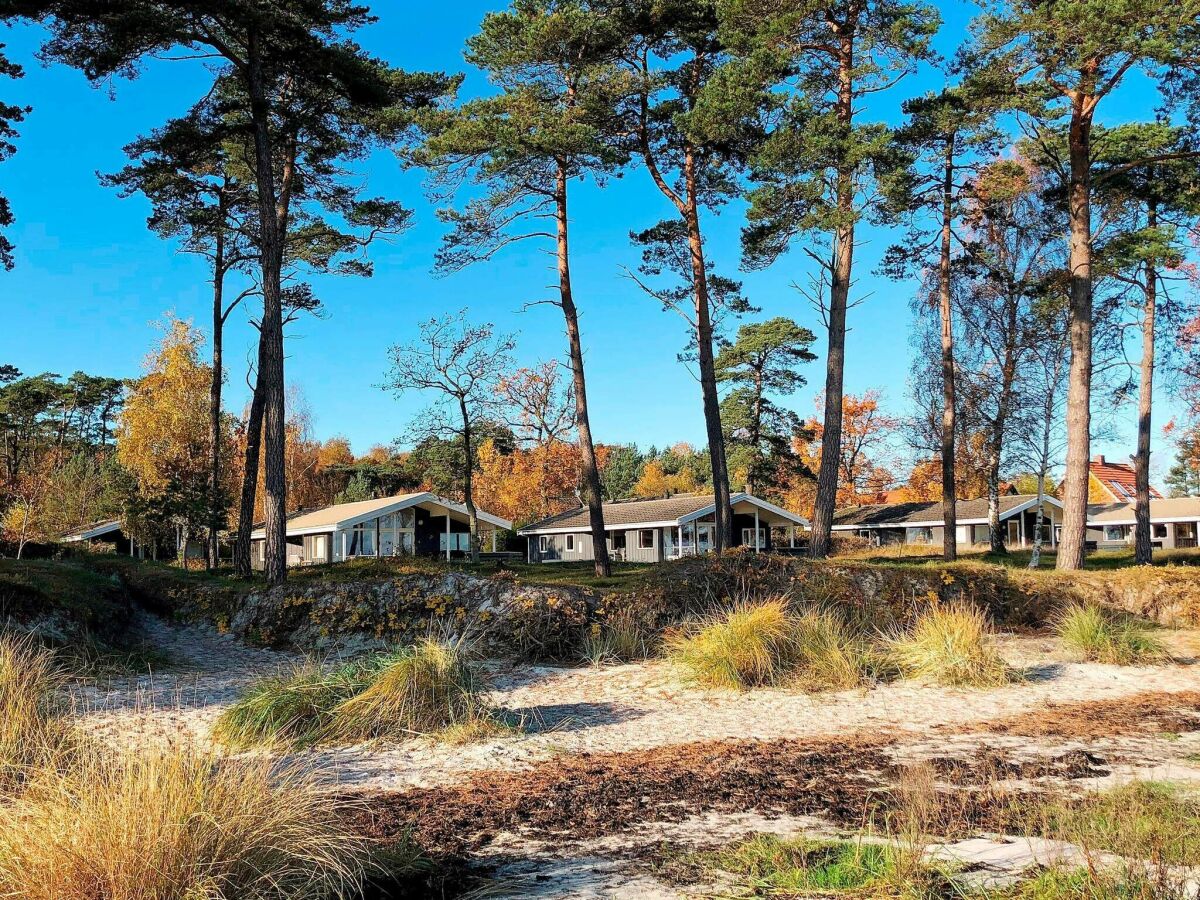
point(294, 708)
point(765, 643)
point(1099, 635)
point(174, 824)
point(951, 645)
point(32, 703)
point(751, 645)
point(424, 689)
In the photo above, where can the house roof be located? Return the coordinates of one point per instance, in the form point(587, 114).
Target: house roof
point(345, 515)
point(1173, 509)
point(95, 530)
point(677, 510)
point(1119, 479)
point(901, 515)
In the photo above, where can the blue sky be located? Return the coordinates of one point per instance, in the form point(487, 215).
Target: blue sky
point(91, 279)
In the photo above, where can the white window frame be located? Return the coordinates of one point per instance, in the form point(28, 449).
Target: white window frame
point(570, 543)
point(642, 532)
point(748, 537)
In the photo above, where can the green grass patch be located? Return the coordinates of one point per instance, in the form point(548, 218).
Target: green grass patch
point(1099, 635)
point(951, 645)
point(770, 866)
point(427, 689)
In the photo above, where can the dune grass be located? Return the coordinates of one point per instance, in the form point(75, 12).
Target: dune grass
point(292, 709)
point(950, 645)
point(426, 689)
point(32, 703)
point(766, 643)
point(175, 823)
point(1099, 635)
point(618, 639)
point(753, 644)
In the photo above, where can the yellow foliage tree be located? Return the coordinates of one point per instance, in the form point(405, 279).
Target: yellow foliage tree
point(655, 482)
point(163, 439)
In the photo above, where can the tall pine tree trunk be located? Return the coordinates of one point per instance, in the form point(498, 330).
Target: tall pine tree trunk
point(839, 294)
point(241, 547)
point(1079, 393)
point(216, 506)
point(949, 487)
point(271, 376)
point(593, 494)
point(1143, 551)
point(708, 372)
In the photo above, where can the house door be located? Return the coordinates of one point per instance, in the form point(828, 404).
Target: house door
point(705, 537)
point(1014, 533)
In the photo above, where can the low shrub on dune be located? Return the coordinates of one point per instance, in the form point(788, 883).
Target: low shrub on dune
point(950, 645)
point(175, 824)
point(1099, 635)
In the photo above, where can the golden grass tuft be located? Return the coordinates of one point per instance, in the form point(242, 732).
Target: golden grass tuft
point(1099, 635)
point(951, 645)
point(830, 655)
point(175, 824)
point(424, 689)
point(753, 644)
point(32, 703)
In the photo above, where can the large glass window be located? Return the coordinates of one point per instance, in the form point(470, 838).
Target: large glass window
point(362, 540)
point(454, 541)
point(646, 539)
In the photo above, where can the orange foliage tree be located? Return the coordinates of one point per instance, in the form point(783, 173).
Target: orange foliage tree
point(530, 484)
point(865, 471)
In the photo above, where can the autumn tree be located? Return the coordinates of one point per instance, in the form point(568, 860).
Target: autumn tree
point(525, 146)
point(816, 173)
point(865, 471)
point(292, 62)
point(538, 407)
point(1063, 60)
point(460, 364)
point(762, 361)
point(163, 437)
point(947, 134)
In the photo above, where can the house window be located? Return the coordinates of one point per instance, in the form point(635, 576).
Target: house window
point(1160, 530)
point(544, 543)
point(748, 538)
point(362, 540)
point(646, 539)
point(455, 540)
point(1114, 532)
point(570, 542)
point(919, 536)
point(864, 533)
point(618, 540)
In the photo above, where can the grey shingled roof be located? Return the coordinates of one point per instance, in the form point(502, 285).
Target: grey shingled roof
point(1123, 513)
point(628, 512)
point(901, 514)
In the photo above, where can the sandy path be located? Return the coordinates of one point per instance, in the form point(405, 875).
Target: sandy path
point(599, 709)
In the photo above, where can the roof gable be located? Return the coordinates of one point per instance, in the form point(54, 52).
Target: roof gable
point(1119, 480)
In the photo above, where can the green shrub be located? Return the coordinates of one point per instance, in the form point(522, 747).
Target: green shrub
point(1103, 636)
point(951, 645)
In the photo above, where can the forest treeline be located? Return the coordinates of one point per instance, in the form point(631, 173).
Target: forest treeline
point(1051, 251)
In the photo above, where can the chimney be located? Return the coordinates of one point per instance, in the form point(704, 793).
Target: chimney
point(1098, 459)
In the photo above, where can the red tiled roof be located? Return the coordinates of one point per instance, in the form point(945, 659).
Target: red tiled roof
point(1118, 479)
